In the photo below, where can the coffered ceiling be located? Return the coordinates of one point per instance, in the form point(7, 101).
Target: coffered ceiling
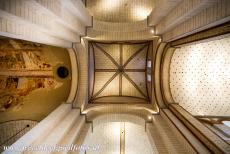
point(118, 72)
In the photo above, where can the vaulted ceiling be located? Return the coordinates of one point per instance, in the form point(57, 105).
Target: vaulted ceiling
point(120, 10)
point(119, 71)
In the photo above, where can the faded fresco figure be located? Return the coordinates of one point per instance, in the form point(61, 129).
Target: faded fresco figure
point(17, 60)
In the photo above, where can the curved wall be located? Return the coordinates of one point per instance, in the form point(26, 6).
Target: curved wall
point(81, 51)
point(108, 130)
point(30, 87)
point(74, 75)
point(120, 27)
point(116, 31)
point(200, 77)
point(120, 10)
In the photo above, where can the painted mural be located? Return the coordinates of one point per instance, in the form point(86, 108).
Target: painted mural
point(23, 68)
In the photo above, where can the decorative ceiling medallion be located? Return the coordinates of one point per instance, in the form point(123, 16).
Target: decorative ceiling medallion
point(119, 71)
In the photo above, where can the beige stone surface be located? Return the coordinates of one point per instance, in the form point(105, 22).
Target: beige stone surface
point(120, 10)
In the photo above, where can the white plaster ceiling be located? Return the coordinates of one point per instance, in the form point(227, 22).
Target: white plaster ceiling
point(200, 78)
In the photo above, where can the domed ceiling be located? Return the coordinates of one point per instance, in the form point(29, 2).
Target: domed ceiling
point(119, 71)
point(120, 10)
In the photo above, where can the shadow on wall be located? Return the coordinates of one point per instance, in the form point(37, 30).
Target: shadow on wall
point(30, 84)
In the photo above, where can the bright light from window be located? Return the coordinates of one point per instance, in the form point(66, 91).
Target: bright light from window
point(115, 128)
point(152, 31)
point(227, 123)
point(142, 13)
point(149, 64)
point(150, 117)
point(149, 78)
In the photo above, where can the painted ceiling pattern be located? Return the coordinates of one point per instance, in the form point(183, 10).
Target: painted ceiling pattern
point(199, 77)
point(119, 70)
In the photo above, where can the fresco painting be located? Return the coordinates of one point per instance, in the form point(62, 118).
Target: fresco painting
point(23, 69)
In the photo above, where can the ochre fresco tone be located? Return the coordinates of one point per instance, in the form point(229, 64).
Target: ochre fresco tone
point(13, 89)
point(26, 68)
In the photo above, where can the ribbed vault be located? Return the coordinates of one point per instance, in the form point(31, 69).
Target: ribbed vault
point(119, 71)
